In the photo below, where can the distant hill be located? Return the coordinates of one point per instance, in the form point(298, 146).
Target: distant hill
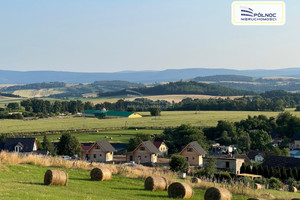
point(18, 77)
point(181, 87)
point(253, 84)
point(62, 90)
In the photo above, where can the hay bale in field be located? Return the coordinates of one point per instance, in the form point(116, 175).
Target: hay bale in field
point(216, 193)
point(257, 186)
point(292, 189)
point(55, 177)
point(195, 180)
point(180, 190)
point(155, 183)
point(100, 174)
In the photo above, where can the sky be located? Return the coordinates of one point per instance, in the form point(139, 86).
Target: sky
point(118, 35)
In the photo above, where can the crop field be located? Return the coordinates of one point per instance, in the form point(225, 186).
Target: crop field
point(26, 182)
point(167, 119)
point(116, 136)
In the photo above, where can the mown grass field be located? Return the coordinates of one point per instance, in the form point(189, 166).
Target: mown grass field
point(167, 119)
point(118, 136)
point(26, 182)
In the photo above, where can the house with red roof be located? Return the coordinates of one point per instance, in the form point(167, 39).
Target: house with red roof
point(162, 148)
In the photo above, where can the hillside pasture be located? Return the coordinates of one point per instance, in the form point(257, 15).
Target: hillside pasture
point(167, 119)
point(116, 136)
point(25, 181)
point(32, 93)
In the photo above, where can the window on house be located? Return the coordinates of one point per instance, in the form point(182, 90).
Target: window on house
point(94, 155)
point(193, 158)
point(142, 148)
point(190, 150)
point(100, 155)
point(187, 158)
point(17, 148)
point(145, 156)
point(227, 164)
point(97, 147)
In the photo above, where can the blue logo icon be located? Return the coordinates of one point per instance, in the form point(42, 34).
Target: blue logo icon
point(245, 11)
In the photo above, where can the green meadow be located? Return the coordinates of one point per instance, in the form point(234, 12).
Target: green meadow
point(117, 136)
point(167, 119)
point(22, 182)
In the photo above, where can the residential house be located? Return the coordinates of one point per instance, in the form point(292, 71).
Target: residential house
point(144, 153)
point(100, 151)
point(282, 161)
point(162, 148)
point(20, 145)
point(257, 156)
point(193, 153)
point(295, 144)
point(217, 149)
point(230, 164)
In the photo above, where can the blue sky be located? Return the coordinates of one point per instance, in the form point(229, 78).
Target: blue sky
point(106, 36)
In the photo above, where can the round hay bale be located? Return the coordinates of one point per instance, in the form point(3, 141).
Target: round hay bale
point(216, 193)
point(292, 189)
point(55, 177)
point(257, 186)
point(100, 174)
point(180, 190)
point(195, 180)
point(155, 183)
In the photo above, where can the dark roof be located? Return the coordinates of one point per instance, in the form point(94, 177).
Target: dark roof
point(106, 146)
point(297, 136)
point(150, 146)
point(282, 161)
point(252, 153)
point(1, 145)
point(197, 147)
point(157, 144)
point(28, 144)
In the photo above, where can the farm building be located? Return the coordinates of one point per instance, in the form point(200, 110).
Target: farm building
point(100, 151)
point(144, 153)
point(94, 113)
point(194, 153)
point(20, 145)
point(113, 114)
point(162, 148)
point(228, 164)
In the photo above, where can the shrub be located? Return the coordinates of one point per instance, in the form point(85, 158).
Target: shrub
point(225, 176)
point(274, 183)
point(178, 163)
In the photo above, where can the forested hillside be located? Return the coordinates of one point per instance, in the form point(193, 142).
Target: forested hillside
point(182, 87)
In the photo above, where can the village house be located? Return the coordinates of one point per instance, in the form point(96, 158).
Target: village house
point(100, 151)
point(144, 153)
point(295, 144)
point(257, 156)
point(162, 148)
point(20, 145)
point(193, 153)
point(229, 164)
point(217, 149)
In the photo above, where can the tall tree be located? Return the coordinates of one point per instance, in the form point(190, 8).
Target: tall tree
point(68, 145)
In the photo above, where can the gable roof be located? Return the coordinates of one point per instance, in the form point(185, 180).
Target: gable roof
point(157, 144)
point(28, 144)
point(282, 161)
point(148, 145)
point(297, 136)
point(106, 146)
point(197, 147)
point(252, 153)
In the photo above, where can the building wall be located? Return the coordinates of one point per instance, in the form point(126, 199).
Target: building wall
point(193, 158)
point(96, 154)
point(163, 150)
point(141, 155)
point(297, 144)
point(233, 165)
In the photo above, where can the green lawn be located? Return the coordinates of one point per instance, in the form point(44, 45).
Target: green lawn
point(167, 119)
point(96, 136)
point(26, 182)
